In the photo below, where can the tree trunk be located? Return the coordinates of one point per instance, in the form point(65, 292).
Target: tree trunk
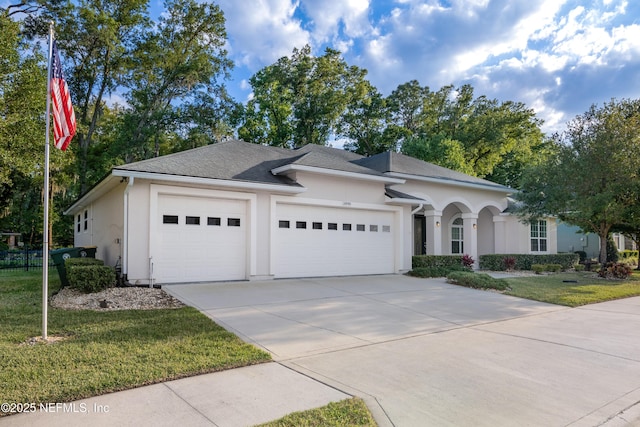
point(603, 248)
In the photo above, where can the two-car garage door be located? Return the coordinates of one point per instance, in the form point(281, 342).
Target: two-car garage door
point(197, 239)
point(314, 241)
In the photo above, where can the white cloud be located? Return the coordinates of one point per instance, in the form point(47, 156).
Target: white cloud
point(329, 18)
point(261, 31)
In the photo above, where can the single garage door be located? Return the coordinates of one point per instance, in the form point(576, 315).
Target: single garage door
point(199, 239)
point(314, 241)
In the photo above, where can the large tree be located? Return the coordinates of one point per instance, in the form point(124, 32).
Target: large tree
point(22, 105)
point(364, 123)
point(300, 99)
point(481, 137)
point(174, 76)
point(593, 179)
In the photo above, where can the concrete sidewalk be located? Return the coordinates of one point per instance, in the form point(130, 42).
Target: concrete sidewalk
point(234, 398)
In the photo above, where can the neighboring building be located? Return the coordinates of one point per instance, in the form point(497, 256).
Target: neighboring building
point(572, 239)
point(241, 211)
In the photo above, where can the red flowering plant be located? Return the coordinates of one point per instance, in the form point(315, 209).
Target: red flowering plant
point(509, 263)
point(467, 261)
point(615, 270)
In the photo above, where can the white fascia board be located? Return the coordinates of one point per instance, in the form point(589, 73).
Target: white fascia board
point(496, 187)
point(401, 201)
point(338, 173)
point(240, 185)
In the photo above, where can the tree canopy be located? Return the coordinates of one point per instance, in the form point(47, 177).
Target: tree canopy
point(593, 180)
point(139, 90)
point(300, 99)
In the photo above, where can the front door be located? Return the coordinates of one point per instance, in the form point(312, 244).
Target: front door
point(419, 235)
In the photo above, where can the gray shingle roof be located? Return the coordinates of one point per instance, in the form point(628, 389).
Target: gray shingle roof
point(243, 161)
point(229, 160)
point(391, 162)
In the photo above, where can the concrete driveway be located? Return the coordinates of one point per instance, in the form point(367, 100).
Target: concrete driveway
point(421, 352)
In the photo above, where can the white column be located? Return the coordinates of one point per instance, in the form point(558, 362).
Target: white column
point(470, 225)
point(433, 226)
point(500, 234)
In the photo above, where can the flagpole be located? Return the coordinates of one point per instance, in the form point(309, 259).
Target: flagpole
point(45, 234)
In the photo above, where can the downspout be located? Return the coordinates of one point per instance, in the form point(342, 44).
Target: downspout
point(125, 231)
point(413, 212)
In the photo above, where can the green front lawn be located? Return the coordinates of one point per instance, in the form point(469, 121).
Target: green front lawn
point(103, 351)
point(558, 288)
point(350, 412)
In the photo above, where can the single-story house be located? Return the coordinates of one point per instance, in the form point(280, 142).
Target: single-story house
point(241, 211)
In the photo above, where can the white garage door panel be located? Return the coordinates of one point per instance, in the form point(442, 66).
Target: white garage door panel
point(311, 252)
point(200, 252)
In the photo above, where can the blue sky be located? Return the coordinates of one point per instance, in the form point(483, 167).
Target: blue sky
point(556, 56)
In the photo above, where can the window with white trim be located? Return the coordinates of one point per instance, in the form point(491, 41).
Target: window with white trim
point(457, 236)
point(539, 236)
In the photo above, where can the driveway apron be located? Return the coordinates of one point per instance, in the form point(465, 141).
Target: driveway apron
point(422, 352)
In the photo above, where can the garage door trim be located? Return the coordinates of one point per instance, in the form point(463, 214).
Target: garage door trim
point(157, 190)
point(321, 203)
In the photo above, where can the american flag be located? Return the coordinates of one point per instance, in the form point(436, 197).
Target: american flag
point(64, 119)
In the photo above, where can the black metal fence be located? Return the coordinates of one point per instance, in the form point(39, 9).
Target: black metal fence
point(24, 259)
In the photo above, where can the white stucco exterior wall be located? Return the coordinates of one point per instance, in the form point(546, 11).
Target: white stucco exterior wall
point(104, 226)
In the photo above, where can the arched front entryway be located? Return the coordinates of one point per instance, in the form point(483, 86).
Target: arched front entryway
point(487, 230)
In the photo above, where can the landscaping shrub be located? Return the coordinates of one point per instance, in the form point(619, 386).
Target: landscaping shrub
point(628, 254)
point(91, 277)
point(525, 261)
point(509, 263)
point(476, 280)
point(538, 268)
point(615, 270)
point(612, 250)
point(435, 271)
point(72, 262)
point(468, 261)
point(583, 256)
point(579, 267)
point(553, 268)
point(419, 261)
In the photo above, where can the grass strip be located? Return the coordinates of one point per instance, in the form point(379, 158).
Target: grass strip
point(573, 289)
point(103, 351)
point(345, 413)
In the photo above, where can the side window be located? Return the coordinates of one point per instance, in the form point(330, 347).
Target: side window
point(539, 236)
